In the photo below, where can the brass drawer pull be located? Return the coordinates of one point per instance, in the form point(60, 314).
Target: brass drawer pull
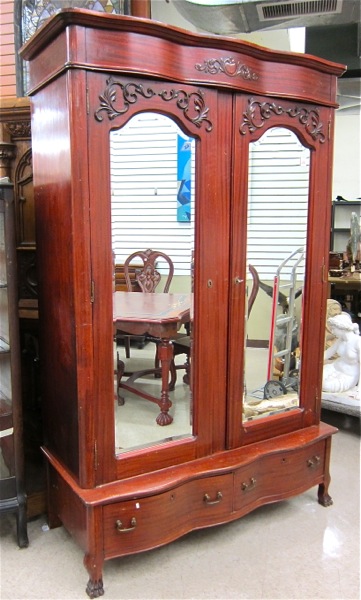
point(246, 487)
point(313, 462)
point(207, 498)
point(121, 529)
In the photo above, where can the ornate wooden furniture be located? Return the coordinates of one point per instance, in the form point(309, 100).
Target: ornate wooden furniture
point(147, 275)
point(119, 278)
point(12, 489)
point(16, 163)
point(147, 278)
point(227, 95)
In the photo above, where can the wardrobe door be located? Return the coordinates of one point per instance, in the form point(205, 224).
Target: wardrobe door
point(127, 115)
point(280, 230)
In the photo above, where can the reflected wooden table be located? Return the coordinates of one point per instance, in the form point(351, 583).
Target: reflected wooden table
point(160, 316)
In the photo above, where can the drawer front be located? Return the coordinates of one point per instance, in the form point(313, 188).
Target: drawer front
point(146, 523)
point(279, 475)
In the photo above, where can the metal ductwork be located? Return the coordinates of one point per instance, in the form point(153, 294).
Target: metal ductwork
point(232, 17)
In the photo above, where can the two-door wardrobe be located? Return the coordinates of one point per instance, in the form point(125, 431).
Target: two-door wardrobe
point(120, 482)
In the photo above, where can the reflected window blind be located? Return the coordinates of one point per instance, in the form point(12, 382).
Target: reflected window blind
point(278, 200)
point(144, 191)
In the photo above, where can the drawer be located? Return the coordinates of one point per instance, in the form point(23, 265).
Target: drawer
point(279, 475)
point(146, 523)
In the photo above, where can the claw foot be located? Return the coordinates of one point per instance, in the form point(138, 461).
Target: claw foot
point(94, 589)
point(164, 419)
point(323, 496)
point(325, 500)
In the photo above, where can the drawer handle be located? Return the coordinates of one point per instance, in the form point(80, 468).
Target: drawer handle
point(121, 529)
point(313, 462)
point(246, 487)
point(207, 498)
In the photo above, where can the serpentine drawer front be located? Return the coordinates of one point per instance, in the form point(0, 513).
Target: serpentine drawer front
point(148, 522)
point(281, 474)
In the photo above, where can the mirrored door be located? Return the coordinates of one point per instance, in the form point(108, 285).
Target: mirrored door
point(152, 209)
point(278, 191)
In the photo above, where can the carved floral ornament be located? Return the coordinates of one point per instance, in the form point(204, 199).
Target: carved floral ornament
point(258, 113)
point(115, 104)
point(229, 66)
point(19, 129)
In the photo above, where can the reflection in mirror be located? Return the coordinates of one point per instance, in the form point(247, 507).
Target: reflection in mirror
point(278, 191)
point(152, 208)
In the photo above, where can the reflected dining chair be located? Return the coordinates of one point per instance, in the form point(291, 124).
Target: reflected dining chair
point(148, 279)
point(147, 276)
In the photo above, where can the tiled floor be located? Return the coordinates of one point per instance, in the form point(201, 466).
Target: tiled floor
point(295, 549)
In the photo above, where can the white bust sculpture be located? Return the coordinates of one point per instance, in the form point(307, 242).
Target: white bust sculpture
point(342, 373)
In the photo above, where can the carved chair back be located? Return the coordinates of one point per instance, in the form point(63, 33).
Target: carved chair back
point(148, 277)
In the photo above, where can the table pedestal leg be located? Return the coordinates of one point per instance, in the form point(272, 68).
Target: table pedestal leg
point(165, 353)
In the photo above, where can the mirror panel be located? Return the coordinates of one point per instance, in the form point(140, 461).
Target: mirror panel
point(278, 189)
point(152, 207)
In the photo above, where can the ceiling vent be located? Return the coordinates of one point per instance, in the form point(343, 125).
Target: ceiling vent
point(233, 17)
point(298, 8)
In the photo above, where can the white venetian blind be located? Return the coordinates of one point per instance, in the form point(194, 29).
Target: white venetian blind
point(278, 200)
point(144, 191)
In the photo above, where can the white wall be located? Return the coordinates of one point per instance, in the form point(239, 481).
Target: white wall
point(347, 156)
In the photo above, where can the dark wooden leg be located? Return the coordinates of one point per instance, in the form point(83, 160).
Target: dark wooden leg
point(120, 372)
point(165, 350)
point(172, 370)
point(323, 496)
point(94, 588)
point(21, 524)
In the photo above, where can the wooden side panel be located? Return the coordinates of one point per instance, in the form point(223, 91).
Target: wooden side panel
point(64, 277)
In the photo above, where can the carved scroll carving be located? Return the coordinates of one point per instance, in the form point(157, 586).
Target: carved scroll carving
point(228, 66)
point(259, 112)
point(192, 104)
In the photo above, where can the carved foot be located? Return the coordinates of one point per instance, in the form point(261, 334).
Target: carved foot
point(94, 589)
point(325, 500)
point(323, 496)
point(164, 419)
point(94, 564)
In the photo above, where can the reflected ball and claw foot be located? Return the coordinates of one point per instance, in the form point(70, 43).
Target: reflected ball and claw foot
point(164, 418)
point(95, 589)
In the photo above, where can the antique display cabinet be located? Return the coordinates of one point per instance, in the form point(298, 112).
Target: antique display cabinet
point(91, 78)
point(12, 490)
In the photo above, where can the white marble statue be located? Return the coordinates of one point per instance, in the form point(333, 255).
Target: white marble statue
point(342, 373)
